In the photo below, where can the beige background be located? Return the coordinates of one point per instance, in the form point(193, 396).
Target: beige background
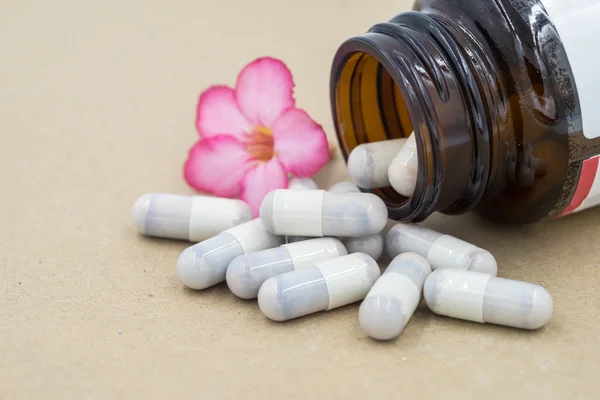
point(97, 103)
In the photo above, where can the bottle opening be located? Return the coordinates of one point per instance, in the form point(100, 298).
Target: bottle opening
point(412, 76)
point(369, 107)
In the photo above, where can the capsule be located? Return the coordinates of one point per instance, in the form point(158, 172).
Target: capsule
point(394, 298)
point(192, 218)
point(371, 245)
point(302, 184)
point(248, 272)
point(402, 171)
point(345, 187)
point(441, 251)
point(368, 163)
point(204, 264)
point(478, 297)
point(320, 213)
point(324, 286)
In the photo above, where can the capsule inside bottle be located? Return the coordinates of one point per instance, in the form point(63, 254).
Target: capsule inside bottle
point(368, 163)
point(402, 170)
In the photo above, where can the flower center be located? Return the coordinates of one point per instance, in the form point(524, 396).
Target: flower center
point(259, 143)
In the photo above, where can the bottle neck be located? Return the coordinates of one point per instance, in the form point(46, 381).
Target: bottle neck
point(420, 72)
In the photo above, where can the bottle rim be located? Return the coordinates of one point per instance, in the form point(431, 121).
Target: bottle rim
point(440, 101)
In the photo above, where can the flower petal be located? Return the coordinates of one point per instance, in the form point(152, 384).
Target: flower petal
point(218, 114)
point(261, 180)
point(264, 89)
point(217, 165)
point(300, 143)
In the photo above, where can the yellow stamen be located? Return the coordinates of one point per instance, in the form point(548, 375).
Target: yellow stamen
point(260, 144)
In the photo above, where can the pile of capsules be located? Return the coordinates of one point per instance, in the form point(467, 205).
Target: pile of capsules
point(333, 242)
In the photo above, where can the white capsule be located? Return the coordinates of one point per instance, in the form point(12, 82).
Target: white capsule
point(204, 264)
point(319, 213)
point(478, 297)
point(248, 272)
point(345, 187)
point(371, 245)
point(302, 184)
point(441, 251)
point(326, 285)
point(192, 218)
point(394, 298)
point(368, 163)
point(402, 171)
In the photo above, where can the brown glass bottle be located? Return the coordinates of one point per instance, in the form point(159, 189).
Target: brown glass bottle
point(489, 91)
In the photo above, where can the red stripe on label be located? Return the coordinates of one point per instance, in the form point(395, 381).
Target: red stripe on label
point(586, 179)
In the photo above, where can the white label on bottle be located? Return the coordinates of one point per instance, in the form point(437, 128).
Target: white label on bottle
point(577, 23)
point(587, 193)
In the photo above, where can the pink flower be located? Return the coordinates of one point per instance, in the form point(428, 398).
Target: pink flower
point(253, 136)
